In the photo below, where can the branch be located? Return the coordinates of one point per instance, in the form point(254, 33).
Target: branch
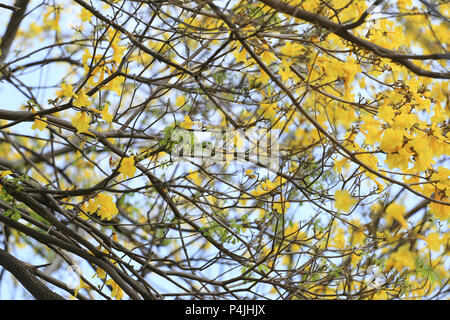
point(12, 8)
point(433, 9)
point(12, 28)
point(131, 37)
point(363, 17)
point(341, 31)
point(351, 155)
point(58, 283)
point(94, 256)
point(22, 273)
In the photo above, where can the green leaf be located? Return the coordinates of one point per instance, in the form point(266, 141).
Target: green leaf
point(39, 218)
point(16, 216)
point(8, 212)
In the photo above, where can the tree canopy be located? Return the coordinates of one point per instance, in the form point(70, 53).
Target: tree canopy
point(103, 102)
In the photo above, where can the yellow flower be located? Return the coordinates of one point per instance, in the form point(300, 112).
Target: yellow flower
point(84, 59)
point(442, 175)
point(339, 240)
point(261, 189)
point(101, 273)
point(350, 68)
point(82, 100)
point(405, 120)
point(392, 140)
point(67, 90)
point(85, 15)
point(107, 207)
point(104, 204)
point(115, 85)
point(237, 140)
point(434, 241)
point(117, 291)
point(240, 56)
point(194, 177)
point(281, 205)
point(91, 206)
point(402, 4)
point(343, 200)
point(358, 236)
point(52, 23)
point(187, 123)
point(399, 159)
point(181, 100)
point(249, 173)
point(402, 258)
point(264, 77)
point(397, 212)
point(267, 186)
point(339, 164)
point(82, 215)
point(39, 123)
point(106, 115)
point(440, 211)
point(285, 74)
point(268, 57)
point(268, 110)
point(291, 49)
point(127, 167)
point(81, 122)
point(5, 173)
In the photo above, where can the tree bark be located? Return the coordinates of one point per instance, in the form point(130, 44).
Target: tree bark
point(13, 26)
point(21, 272)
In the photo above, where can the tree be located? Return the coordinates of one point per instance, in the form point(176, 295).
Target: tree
point(324, 174)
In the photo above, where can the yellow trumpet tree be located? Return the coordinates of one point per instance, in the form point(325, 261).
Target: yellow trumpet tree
point(355, 94)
